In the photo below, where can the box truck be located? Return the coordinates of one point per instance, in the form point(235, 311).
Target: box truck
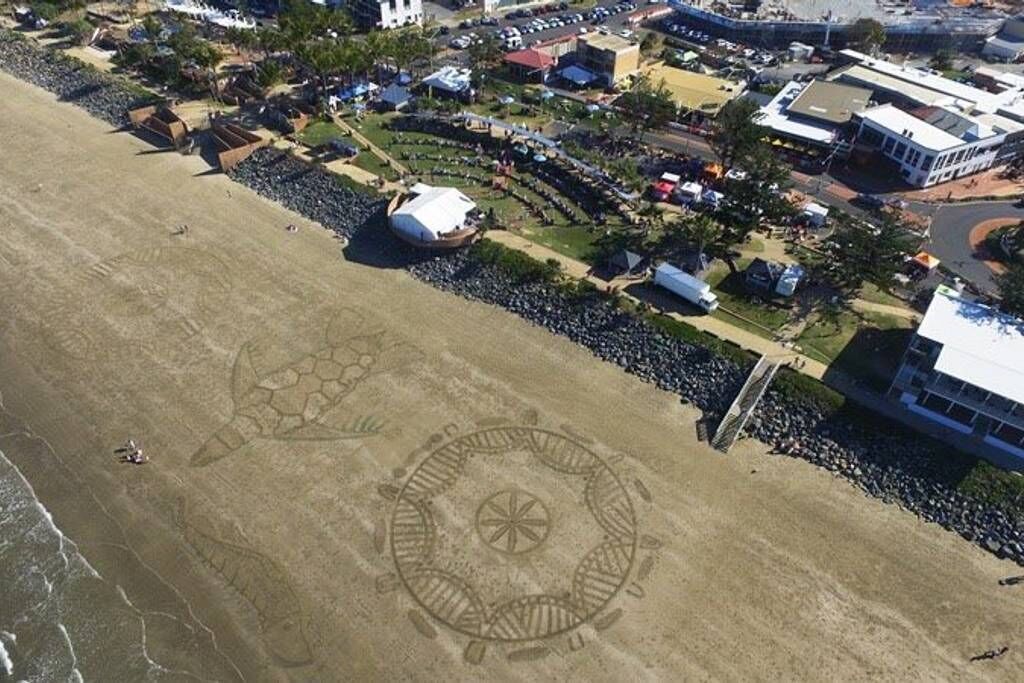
point(694, 290)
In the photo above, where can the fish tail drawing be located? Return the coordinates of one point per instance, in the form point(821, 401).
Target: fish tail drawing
point(225, 441)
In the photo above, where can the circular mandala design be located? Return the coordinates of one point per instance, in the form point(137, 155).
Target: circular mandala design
point(513, 534)
point(512, 522)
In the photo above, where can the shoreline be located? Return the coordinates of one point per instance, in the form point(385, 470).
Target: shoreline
point(32, 458)
point(820, 562)
point(792, 427)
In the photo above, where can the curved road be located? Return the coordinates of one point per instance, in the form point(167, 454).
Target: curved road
point(951, 229)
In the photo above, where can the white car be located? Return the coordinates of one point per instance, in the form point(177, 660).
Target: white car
point(582, 30)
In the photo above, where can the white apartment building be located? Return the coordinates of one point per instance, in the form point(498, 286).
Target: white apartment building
point(963, 370)
point(386, 14)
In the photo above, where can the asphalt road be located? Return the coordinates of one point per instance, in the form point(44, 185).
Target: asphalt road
point(951, 227)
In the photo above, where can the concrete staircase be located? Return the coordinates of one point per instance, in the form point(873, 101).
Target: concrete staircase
point(744, 403)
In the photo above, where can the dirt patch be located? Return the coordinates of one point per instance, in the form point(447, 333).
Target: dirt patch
point(976, 238)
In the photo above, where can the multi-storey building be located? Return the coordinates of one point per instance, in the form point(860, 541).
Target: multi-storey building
point(609, 57)
point(964, 369)
point(385, 13)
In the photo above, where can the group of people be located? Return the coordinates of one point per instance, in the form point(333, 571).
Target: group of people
point(132, 453)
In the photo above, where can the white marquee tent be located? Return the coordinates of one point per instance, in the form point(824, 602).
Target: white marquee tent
point(434, 212)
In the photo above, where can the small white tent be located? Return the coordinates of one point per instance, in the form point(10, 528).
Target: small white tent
point(434, 212)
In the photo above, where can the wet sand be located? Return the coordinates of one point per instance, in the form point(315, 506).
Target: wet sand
point(337, 447)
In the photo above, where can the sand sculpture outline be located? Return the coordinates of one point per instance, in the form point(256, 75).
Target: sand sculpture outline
point(130, 299)
point(285, 626)
point(450, 596)
point(292, 402)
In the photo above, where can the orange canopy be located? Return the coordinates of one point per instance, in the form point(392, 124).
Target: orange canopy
point(926, 260)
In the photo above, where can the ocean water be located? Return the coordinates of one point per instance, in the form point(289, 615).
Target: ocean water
point(60, 620)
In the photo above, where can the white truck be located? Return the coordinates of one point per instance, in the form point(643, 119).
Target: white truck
point(694, 290)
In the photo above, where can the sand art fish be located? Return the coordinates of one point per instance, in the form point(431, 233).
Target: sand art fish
point(262, 583)
point(289, 404)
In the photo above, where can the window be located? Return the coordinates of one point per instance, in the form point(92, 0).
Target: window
point(961, 414)
point(900, 150)
point(927, 164)
point(959, 156)
point(971, 152)
point(870, 136)
point(934, 402)
point(889, 143)
point(1010, 434)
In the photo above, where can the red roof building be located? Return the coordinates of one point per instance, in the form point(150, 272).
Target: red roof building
point(530, 64)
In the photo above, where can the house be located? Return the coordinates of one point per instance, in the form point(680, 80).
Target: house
point(760, 276)
point(384, 13)
point(768, 278)
point(530, 65)
point(612, 58)
point(963, 371)
point(395, 97)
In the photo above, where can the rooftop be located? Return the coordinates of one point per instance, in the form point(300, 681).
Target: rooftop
point(979, 345)
point(607, 42)
point(921, 132)
point(774, 116)
point(695, 91)
point(875, 80)
point(530, 58)
point(830, 102)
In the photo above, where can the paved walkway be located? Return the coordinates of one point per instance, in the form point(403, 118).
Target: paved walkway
point(705, 323)
point(377, 151)
point(987, 184)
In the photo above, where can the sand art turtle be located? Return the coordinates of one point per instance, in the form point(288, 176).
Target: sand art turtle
point(289, 403)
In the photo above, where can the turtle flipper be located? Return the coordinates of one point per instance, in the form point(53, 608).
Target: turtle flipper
point(346, 324)
point(243, 375)
point(223, 443)
point(317, 431)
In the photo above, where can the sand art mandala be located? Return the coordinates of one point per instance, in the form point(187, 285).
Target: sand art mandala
point(513, 534)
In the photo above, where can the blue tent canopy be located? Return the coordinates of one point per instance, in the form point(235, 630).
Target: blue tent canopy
point(355, 90)
point(577, 75)
point(395, 95)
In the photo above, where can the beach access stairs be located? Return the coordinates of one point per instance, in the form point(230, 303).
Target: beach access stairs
point(743, 405)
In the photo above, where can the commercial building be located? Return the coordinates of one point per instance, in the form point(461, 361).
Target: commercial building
point(816, 117)
point(919, 26)
point(963, 371)
point(1008, 44)
point(935, 129)
point(694, 92)
point(610, 57)
point(385, 13)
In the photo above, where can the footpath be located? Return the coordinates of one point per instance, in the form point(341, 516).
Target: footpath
point(705, 323)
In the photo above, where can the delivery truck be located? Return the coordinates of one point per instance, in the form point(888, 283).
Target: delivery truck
point(694, 290)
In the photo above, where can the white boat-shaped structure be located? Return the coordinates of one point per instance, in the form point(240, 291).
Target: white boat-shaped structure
point(434, 217)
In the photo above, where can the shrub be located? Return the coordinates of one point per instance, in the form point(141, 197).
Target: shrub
point(513, 263)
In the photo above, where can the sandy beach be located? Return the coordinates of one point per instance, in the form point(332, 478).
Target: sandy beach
point(357, 477)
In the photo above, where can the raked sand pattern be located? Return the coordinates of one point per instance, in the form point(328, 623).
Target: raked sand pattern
point(481, 499)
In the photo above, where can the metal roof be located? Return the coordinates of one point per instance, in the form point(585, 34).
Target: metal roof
point(830, 102)
point(979, 345)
